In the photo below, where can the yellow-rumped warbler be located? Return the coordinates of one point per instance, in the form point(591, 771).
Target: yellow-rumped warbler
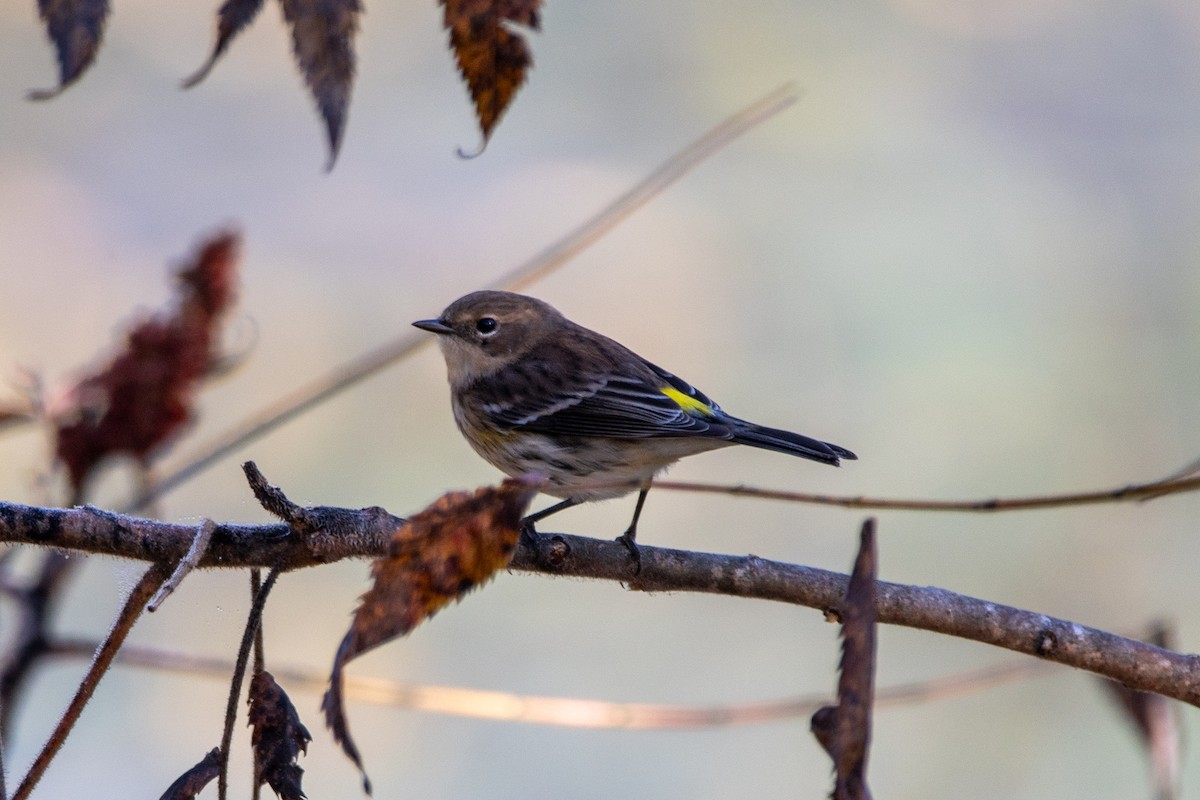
point(534, 392)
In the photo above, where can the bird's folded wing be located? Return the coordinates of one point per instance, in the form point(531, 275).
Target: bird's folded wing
point(616, 407)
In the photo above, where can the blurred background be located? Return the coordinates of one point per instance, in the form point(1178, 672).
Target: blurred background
point(968, 254)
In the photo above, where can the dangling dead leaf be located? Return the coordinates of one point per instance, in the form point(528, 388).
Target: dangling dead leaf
point(844, 730)
point(136, 403)
point(323, 42)
point(231, 18)
point(438, 556)
point(1156, 719)
point(75, 27)
point(491, 56)
point(279, 737)
point(192, 782)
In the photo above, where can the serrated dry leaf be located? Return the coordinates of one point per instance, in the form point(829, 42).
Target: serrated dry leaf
point(75, 27)
point(323, 43)
point(492, 58)
point(192, 782)
point(279, 736)
point(844, 730)
point(232, 17)
point(438, 556)
point(137, 402)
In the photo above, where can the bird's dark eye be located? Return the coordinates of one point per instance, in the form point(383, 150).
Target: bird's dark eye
point(487, 326)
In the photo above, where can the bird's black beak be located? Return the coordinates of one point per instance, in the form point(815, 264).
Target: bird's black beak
point(434, 326)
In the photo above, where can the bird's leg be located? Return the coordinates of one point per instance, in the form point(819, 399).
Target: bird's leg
point(528, 532)
point(629, 537)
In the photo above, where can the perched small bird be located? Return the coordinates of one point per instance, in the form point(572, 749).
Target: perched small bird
point(534, 392)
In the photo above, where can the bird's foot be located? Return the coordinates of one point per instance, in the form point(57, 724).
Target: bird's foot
point(629, 540)
point(529, 535)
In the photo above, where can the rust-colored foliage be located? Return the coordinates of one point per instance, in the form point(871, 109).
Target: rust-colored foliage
point(192, 782)
point(1156, 720)
point(844, 730)
point(137, 402)
point(437, 556)
point(75, 27)
point(279, 737)
point(492, 58)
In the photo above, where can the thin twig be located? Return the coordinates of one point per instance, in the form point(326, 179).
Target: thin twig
point(151, 579)
point(550, 259)
point(253, 620)
point(259, 665)
point(1135, 491)
point(648, 188)
point(566, 711)
point(189, 562)
point(3, 786)
point(36, 604)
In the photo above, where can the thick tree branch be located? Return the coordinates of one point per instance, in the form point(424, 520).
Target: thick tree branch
point(1136, 664)
point(346, 533)
point(343, 533)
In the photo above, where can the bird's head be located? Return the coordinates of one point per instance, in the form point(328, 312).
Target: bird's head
point(483, 332)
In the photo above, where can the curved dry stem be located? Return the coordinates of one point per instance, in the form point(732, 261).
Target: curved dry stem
point(151, 579)
point(351, 373)
point(566, 711)
point(253, 621)
point(1133, 491)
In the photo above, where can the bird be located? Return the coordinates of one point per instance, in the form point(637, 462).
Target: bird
point(535, 393)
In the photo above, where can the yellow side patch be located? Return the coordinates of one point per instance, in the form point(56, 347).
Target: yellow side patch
point(689, 404)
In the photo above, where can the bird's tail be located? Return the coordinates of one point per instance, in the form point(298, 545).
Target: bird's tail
point(791, 443)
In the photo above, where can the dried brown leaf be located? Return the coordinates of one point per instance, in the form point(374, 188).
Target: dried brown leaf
point(75, 27)
point(140, 400)
point(192, 782)
point(279, 737)
point(844, 730)
point(492, 58)
point(438, 556)
point(1156, 719)
point(323, 43)
point(232, 17)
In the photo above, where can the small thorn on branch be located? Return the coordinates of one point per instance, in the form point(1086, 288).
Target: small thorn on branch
point(272, 498)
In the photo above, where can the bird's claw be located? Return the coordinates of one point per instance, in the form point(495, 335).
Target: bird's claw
point(529, 535)
point(628, 539)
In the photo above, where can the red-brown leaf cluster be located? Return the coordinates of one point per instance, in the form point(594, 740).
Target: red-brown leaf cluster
point(492, 55)
point(438, 556)
point(279, 737)
point(492, 58)
point(138, 401)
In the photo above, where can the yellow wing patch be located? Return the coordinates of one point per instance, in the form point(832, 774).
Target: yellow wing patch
point(689, 404)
